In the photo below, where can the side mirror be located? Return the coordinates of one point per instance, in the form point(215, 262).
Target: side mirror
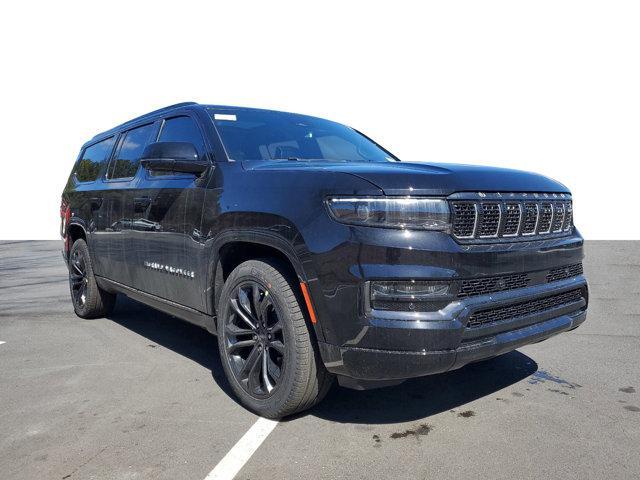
point(173, 157)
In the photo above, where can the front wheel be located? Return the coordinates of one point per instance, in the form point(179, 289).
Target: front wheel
point(265, 344)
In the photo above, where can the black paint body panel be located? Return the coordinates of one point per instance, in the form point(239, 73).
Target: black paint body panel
point(141, 228)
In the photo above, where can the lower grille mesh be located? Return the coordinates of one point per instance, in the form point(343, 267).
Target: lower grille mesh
point(481, 286)
point(564, 272)
point(522, 309)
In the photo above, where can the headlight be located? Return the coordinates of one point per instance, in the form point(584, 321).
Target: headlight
point(390, 212)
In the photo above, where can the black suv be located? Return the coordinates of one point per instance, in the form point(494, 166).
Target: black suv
point(314, 253)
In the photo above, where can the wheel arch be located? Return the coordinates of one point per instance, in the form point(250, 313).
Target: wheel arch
point(233, 248)
point(74, 231)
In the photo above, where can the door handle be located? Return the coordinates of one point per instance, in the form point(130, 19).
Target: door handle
point(96, 203)
point(140, 204)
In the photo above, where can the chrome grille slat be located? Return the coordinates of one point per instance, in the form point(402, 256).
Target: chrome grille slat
point(490, 216)
point(558, 217)
point(545, 218)
point(467, 215)
point(568, 218)
point(502, 216)
point(532, 214)
point(512, 220)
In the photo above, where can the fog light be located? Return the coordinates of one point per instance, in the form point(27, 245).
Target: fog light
point(410, 295)
point(409, 291)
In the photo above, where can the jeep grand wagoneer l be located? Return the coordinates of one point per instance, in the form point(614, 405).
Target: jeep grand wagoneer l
point(314, 253)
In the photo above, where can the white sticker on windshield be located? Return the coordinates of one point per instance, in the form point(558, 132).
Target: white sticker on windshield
point(224, 116)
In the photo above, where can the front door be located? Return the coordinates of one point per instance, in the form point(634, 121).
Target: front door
point(167, 210)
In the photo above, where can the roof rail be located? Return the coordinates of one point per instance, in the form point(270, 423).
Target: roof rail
point(154, 112)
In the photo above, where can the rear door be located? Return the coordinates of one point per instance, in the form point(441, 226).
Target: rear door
point(167, 211)
point(119, 185)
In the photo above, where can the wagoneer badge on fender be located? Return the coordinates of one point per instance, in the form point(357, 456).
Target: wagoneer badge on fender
point(169, 269)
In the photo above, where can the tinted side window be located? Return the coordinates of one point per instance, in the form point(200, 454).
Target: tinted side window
point(182, 129)
point(131, 148)
point(92, 159)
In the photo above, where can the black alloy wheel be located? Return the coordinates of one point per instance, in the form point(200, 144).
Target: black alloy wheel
point(78, 279)
point(254, 343)
point(89, 300)
point(267, 345)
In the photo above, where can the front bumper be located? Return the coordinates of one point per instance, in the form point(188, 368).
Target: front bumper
point(415, 346)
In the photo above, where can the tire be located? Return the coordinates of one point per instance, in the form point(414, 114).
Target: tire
point(262, 328)
point(89, 300)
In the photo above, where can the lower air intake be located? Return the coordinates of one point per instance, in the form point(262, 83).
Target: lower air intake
point(523, 309)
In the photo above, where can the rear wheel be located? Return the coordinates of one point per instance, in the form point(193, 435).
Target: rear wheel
point(89, 300)
point(266, 347)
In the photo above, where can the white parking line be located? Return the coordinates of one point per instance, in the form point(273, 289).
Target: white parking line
point(242, 451)
point(1, 342)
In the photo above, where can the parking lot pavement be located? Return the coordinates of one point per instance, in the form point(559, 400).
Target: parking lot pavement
point(141, 395)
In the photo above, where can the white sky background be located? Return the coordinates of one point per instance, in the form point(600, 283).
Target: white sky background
point(548, 86)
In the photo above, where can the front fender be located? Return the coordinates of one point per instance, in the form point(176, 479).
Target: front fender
point(260, 229)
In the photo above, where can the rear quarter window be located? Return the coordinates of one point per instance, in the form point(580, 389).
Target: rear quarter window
point(93, 157)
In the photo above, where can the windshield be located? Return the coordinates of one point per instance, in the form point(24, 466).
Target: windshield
point(267, 135)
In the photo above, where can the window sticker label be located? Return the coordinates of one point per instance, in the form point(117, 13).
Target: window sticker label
point(224, 116)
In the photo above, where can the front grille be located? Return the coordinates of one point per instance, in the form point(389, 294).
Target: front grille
point(523, 309)
point(564, 272)
point(482, 286)
point(512, 216)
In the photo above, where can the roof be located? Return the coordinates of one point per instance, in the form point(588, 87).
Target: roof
point(142, 117)
point(176, 106)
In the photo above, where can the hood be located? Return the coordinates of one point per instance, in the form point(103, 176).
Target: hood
point(403, 178)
